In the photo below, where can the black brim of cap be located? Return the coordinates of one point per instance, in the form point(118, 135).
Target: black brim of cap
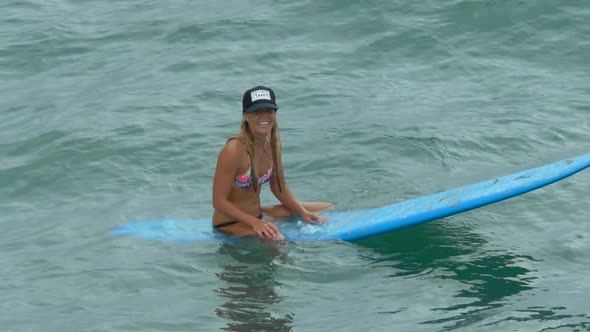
point(256, 107)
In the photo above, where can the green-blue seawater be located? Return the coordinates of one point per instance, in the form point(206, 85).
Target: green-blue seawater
point(112, 111)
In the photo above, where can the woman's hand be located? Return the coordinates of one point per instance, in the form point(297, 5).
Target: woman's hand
point(313, 217)
point(267, 230)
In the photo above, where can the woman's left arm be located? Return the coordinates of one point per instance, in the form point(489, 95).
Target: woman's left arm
point(286, 197)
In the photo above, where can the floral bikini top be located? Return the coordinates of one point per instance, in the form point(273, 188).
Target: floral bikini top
point(244, 180)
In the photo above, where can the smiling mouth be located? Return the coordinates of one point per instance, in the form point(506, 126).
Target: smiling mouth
point(264, 124)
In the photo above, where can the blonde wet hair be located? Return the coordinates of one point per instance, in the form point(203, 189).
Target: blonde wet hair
point(245, 136)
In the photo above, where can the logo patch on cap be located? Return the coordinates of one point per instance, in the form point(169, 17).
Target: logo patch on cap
point(260, 94)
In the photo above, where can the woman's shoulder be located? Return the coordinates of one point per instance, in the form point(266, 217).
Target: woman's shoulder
point(234, 148)
point(236, 144)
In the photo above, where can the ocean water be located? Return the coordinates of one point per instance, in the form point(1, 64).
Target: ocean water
point(112, 111)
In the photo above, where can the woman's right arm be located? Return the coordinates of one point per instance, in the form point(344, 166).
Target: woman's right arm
point(228, 164)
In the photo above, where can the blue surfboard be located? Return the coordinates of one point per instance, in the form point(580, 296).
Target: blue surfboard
point(359, 224)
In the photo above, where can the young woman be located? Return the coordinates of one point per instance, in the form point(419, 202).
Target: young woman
point(247, 162)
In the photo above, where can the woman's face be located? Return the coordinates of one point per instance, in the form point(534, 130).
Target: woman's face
point(262, 121)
